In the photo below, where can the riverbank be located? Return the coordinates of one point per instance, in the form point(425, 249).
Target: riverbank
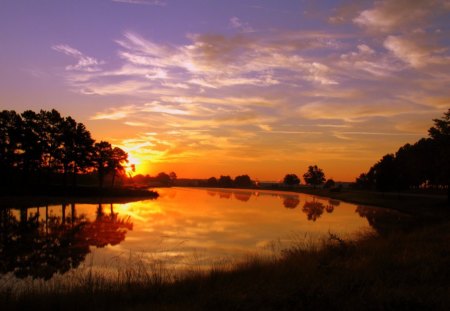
point(408, 270)
point(422, 205)
point(57, 195)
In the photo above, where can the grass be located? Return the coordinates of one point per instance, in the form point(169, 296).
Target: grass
point(407, 270)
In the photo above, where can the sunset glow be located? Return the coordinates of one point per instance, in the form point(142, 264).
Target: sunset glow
point(258, 87)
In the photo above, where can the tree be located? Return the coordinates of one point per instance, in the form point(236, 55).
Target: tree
point(117, 163)
point(102, 159)
point(173, 177)
point(291, 180)
point(314, 176)
point(440, 133)
point(212, 182)
point(329, 184)
point(243, 181)
point(163, 178)
point(225, 181)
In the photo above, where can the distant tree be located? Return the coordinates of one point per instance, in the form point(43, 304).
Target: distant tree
point(225, 182)
point(314, 176)
point(291, 180)
point(329, 184)
point(173, 177)
point(212, 182)
point(163, 178)
point(243, 181)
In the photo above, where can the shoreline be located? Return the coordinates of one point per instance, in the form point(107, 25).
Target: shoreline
point(82, 195)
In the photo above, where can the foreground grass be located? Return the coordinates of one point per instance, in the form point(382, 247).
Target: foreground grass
point(399, 272)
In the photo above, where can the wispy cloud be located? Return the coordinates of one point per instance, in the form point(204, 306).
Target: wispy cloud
point(236, 23)
point(85, 63)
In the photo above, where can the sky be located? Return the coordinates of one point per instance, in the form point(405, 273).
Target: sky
point(209, 87)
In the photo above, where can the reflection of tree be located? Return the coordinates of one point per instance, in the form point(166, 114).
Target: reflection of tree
point(30, 247)
point(36, 247)
point(291, 201)
point(224, 195)
point(242, 196)
point(313, 210)
point(107, 229)
point(384, 222)
point(334, 202)
point(329, 208)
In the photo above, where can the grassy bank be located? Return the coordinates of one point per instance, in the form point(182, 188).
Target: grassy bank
point(402, 271)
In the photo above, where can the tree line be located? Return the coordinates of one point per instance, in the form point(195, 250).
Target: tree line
point(45, 148)
point(424, 164)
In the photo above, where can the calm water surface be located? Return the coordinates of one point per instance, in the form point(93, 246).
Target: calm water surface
point(185, 228)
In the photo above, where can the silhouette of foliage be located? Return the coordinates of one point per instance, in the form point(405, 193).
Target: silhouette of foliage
point(243, 181)
point(329, 184)
point(291, 180)
point(225, 182)
point(38, 149)
point(314, 176)
point(422, 164)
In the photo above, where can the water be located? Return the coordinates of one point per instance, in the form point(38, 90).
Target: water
point(184, 229)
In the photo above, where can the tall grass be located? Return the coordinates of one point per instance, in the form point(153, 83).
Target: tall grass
point(405, 271)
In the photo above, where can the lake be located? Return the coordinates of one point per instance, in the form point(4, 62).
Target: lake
point(184, 229)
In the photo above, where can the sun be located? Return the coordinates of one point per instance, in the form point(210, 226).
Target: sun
point(134, 165)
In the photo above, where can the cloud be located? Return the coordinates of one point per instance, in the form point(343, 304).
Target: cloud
point(416, 50)
point(388, 15)
point(85, 63)
point(143, 2)
point(236, 23)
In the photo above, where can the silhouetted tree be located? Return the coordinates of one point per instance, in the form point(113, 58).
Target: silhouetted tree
point(173, 177)
point(243, 181)
point(212, 182)
point(117, 163)
point(440, 133)
point(225, 182)
point(314, 176)
point(291, 180)
point(164, 178)
point(102, 160)
point(329, 184)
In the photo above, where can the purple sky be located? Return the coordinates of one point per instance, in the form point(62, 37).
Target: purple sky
point(231, 87)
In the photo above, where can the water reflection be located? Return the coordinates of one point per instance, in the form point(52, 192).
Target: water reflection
point(385, 221)
point(184, 227)
point(291, 201)
point(39, 246)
